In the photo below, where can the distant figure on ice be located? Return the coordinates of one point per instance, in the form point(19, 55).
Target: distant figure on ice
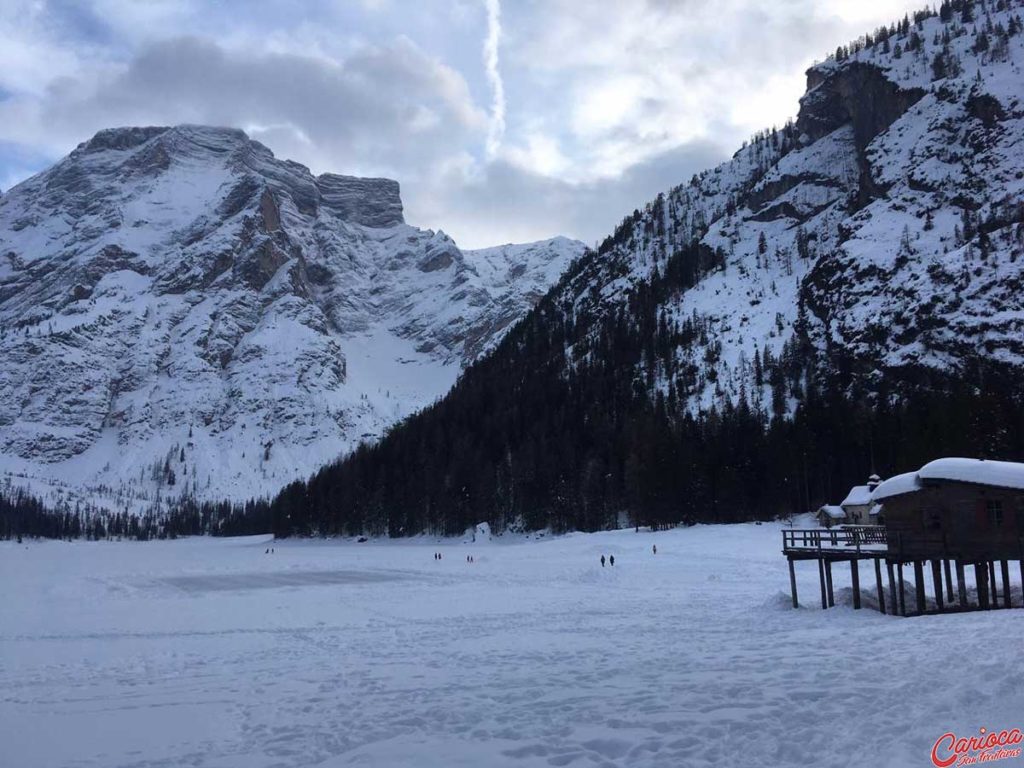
point(654, 548)
point(267, 552)
point(602, 561)
point(611, 560)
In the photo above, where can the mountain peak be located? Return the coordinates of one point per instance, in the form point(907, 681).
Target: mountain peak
point(130, 137)
point(121, 138)
point(225, 321)
point(104, 164)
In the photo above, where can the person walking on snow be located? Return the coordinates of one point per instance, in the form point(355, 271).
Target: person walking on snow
point(602, 561)
point(611, 560)
point(654, 548)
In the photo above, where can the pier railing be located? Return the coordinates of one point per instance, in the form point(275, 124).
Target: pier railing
point(849, 537)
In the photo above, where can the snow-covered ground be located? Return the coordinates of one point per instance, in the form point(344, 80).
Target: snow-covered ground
point(211, 653)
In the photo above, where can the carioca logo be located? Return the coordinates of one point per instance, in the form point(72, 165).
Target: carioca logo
point(971, 750)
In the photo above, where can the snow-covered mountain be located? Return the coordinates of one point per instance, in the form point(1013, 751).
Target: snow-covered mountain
point(886, 224)
point(180, 311)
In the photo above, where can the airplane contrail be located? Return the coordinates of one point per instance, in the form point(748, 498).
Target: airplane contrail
point(496, 129)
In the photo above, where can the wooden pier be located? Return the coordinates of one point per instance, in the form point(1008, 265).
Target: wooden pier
point(854, 544)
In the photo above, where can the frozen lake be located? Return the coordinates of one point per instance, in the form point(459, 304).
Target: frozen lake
point(209, 652)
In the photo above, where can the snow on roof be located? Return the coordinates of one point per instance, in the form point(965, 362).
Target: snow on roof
point(834, 511)
point(1003, 474)
point(897, 486)
point(876, 509)
point(858, 495)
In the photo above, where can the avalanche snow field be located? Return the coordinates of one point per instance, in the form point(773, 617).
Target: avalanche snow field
point(207, 652)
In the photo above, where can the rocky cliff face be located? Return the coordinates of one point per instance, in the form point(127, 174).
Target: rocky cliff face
point(182, 312)
point(370, 202)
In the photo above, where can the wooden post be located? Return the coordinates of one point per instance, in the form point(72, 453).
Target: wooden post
point(855, 574)
point(792, 582)
point(960, 585)
point(903, 589)
point(892, 588)
point(949, 582)
point(1005, 568)
point(993, 589)
point(821, 578)
point(937, 583)
point(981, 578)
point(828, 581)
point(878, 585)
point(919, 585)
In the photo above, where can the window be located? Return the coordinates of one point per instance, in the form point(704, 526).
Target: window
point(994, 507)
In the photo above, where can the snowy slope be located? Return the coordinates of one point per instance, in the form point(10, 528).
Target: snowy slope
point(886, 222)
point(177, 302)
point(208, 652)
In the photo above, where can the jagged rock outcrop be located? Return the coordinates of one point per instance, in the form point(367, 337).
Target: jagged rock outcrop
point(182, 312)
point(859, 95)
point(370, 202)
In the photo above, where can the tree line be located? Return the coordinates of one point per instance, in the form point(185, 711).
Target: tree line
point(25, 515)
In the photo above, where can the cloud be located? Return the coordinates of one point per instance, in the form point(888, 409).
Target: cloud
point(636, 79)
point(383, 109)
point(570, 115)
point(506, 202)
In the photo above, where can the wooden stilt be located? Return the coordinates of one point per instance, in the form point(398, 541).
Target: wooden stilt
point(993, 590)
point(981, 579)
point(792, 582)
point(961, 586)
point(892, 588)
point(878, 585)
point(919, 585)
point(903, 590)
point(821, 577)
point(949, 582)
point(828, 582)
point(855, 575)
point(1005, 568)
point(937, 584)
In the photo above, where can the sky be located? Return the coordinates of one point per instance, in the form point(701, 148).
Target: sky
point(503, 120)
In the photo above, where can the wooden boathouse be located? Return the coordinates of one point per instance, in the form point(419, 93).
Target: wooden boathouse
point(953, 516)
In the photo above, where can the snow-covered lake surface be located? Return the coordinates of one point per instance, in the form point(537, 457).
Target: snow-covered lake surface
point(209, 652)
